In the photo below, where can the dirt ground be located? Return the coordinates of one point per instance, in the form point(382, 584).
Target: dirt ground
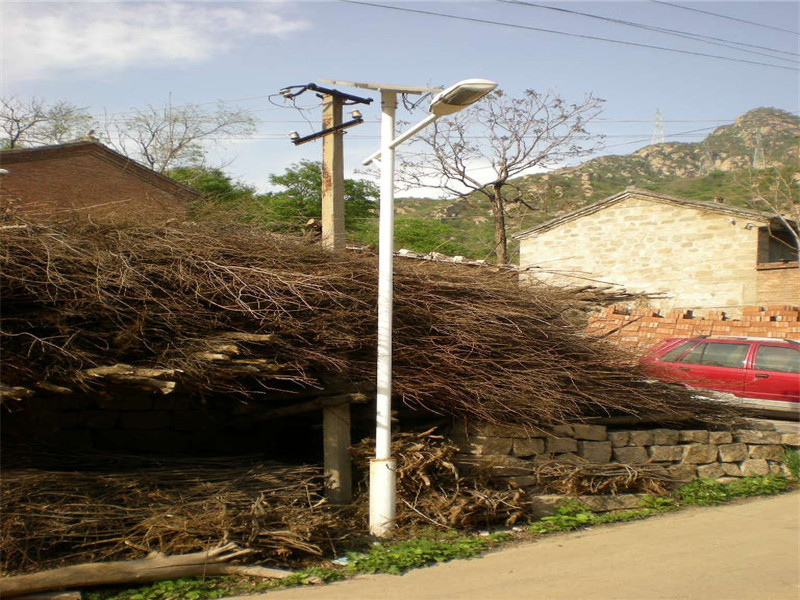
point(744, 551)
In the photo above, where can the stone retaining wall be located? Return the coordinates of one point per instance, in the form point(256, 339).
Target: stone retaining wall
point(512, 454)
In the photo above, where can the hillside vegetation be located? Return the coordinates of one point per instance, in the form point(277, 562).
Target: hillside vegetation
point(721, 165)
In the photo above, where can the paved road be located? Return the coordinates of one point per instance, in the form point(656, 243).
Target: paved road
point(742, 551)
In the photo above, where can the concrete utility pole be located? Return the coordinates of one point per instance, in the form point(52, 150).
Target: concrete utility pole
point(333, 234)
point(335, 418)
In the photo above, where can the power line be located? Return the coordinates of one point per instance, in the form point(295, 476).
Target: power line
point(281, 136)
point(135, 111)
point(691, 132)
point(564, 33)
point(674, 32)
point(705, 12)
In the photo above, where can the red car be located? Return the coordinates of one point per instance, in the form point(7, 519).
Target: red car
point(763, 372)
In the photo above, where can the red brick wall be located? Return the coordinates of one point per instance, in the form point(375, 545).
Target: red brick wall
point(778, 283)
point(641, 328)
point(86, 183)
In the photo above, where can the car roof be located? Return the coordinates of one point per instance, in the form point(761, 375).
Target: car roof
point(734, 338)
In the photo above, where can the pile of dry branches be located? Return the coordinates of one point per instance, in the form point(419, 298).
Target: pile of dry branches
point(579, 478)
point(51, 518)
point(430, 490)
point(468, 341)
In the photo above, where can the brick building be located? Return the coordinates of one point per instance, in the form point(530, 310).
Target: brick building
point(86, 177)
point(696, 255)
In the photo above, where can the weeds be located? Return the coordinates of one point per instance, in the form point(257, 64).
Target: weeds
point(707, 492)
point(792, 460)
point(570, 515)
point(700, 492)
point(399, 557)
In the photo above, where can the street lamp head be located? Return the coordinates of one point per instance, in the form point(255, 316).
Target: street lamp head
point(460, 95)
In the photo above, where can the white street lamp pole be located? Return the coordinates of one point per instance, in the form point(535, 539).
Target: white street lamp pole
point(382, 480)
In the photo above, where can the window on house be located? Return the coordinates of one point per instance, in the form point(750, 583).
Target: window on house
point(776, 245)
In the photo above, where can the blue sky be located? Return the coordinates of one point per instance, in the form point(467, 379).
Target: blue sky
point(114, 56)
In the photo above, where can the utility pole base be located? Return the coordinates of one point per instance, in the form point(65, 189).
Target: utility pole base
point(382, 496)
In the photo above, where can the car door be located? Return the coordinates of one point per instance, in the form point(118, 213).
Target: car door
point(774, 373)
point(717, 365)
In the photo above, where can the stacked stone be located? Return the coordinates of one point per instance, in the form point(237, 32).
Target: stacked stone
point(702, 453)
point(513, 453)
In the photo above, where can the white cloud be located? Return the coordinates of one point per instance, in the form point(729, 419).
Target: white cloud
point(42, 39)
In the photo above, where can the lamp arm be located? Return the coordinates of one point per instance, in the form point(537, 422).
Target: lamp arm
point(402, 138)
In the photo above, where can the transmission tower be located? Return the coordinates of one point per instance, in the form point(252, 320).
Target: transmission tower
point(759, 161)
point(658, 129)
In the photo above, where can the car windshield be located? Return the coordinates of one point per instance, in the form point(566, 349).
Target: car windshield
point(676, 352)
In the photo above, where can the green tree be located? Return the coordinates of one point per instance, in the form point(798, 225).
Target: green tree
point(427, 235)
point(301, 198)
point(215, 185)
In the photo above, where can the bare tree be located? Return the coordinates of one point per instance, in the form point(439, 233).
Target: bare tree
point(167, 137)
point(32, 122)
point(514, 135)
point(777, 191)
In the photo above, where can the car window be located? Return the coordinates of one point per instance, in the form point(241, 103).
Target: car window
point(715, 354)
point(775, 358)
point(676, 352)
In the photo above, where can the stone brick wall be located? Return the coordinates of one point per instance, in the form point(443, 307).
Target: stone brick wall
point(698, 256)
point(697, 259)
point(644, 327)
point(510, 454)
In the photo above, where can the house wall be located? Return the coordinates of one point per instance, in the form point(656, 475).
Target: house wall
point(696, 259)
point(87, 183)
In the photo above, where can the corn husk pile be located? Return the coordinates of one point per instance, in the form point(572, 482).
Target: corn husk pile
point(579, 478)
point(431, 492)
point(53, 518)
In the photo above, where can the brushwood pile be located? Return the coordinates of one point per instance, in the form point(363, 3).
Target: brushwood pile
point(468, 341)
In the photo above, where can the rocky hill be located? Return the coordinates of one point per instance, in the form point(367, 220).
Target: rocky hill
point(728, 148)
point(717, 166)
